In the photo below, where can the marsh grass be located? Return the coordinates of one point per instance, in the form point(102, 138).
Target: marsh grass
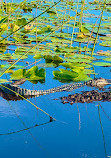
point(95, 41)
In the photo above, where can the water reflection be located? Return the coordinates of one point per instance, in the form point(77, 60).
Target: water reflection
point(26, 129)
point(89, 96)
point(9, 97)
point(102, 132)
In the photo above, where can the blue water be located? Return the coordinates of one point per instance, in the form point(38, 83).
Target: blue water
point(81, 130)
point(76, 133)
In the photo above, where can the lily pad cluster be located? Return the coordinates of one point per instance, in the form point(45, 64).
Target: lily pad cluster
point(33, 74)
point(77, 74)
point(62, 36)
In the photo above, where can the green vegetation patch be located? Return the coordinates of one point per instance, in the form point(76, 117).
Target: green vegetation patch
point(32, 74)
